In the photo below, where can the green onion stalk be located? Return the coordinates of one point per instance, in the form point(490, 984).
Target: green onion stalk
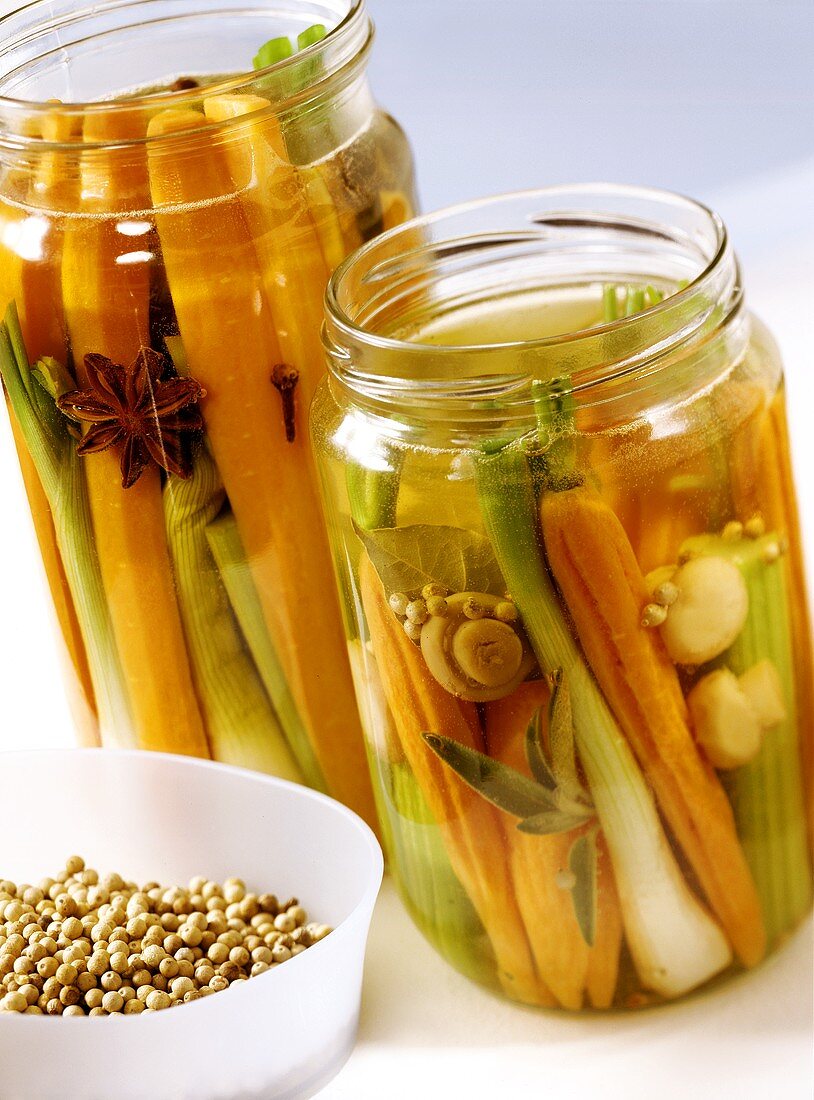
point(308, 133)
point(53, 450)
point(240, 720)
point(228, 555)
point(675, 944)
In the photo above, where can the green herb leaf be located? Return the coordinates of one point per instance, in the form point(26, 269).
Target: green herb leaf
point(562, 744)
point(535, 754)
point(561, 729)
point(554, 821)
point(276, 49)
point(582, 861)
point(497, 783)
point(407, 558)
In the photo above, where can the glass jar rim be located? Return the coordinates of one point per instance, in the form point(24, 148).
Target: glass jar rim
point(367, 360)
point(345, 46)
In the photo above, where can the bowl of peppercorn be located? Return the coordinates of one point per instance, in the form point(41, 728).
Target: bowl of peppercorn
point(175, 928)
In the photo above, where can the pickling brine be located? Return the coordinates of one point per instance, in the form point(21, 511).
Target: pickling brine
point(166, 236)
point(556, 471)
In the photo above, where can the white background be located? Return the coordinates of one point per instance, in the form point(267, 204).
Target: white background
point(711, 97)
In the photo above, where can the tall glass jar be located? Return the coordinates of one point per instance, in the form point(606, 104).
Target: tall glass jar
point(556, 471)
point(168, 222)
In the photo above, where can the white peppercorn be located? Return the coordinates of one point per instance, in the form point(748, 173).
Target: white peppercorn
point(112, 1001)
point(77, 945)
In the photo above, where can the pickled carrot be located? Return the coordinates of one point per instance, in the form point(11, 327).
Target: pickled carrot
point(605, 591)
point(34, 285)
point(473, 834)
point(232, 348)
point(106, 302)
point(560, 953)
point(603, 960)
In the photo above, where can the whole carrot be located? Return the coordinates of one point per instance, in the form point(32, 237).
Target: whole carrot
point(34, 285)
point(106, 303)
point(605, 591)
point(603, 961)
point(471, 828)
point(560, 953)
point(253, 417)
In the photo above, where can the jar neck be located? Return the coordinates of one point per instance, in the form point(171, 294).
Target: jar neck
point(396, 310)
point(65, 67)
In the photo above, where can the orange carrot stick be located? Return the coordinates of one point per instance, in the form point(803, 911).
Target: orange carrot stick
point(603, 961)
point(471, 828)
point(605, 591)
point(232, 349)
point(565, 953)
point(30, 282)
point(560, 952)
point(106, 299)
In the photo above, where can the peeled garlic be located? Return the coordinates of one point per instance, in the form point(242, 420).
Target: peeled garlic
point(725, 723)
point(762, 686)
point(709, 612)
point(479, 659)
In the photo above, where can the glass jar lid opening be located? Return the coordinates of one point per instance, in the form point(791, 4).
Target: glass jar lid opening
point(490, 295)
point(57, 57)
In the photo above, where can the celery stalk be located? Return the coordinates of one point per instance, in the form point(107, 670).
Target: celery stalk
point(767, 794)
point(227, 551)
point(675, 944)
point(53, 450)
point(240, 721)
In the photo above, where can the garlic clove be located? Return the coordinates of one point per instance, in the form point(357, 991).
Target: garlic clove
point(709, 612)
point(725, 723)
point(762, 686)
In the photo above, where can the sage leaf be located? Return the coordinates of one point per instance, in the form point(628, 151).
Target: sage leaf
point(407, 558)
point(535, 753)
point(561, 729)
point(554, 821)
point(582, 861)
point(499, 784)
point(561, 741)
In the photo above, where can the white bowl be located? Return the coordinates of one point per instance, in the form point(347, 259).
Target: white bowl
point(149, 816)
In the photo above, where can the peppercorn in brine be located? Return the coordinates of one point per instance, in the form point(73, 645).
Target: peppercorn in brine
point(84, 945)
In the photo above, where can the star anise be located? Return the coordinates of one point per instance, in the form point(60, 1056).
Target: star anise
point(138, 408)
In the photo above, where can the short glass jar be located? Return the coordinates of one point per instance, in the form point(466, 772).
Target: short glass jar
point(168, 222)
point(556, 472)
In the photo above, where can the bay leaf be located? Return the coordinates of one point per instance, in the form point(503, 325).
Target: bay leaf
point(407, 558)
point(563, 750)
point(499, 784)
